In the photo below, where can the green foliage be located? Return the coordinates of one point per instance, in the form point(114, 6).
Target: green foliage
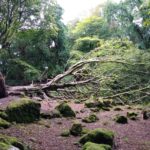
point(23, 111)
point(37, 40)
point(86, 44)
point(100, 136)
point(94, 146)
point(21, 72)
point(65, 110)
point(90, 27)
point(124, 18)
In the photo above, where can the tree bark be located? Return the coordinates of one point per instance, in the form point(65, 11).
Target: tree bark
point(3, 91)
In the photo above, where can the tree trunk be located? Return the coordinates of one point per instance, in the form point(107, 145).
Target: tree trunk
point(3, 92)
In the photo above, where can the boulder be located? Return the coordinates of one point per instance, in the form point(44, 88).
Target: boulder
point(7, 143)
point(65, 110)
point(91, 118)
point(76, 129)
point(23, 111)
point(94, 146)
point(121, 119)
point(100, 136)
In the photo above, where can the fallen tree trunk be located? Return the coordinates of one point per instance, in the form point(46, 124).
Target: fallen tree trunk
point(57, 83)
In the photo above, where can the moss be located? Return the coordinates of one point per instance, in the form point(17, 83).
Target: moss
point(4, 124)
point(132, 115)
point(6, 142)
point(51, 114)
point(23, 111)
point(3, 115)
point(94, 146)
point(65, 110)
point(65, 133)
point(85, 131)
point(100, 136)
point(91, 118)
point(121, 119)
point(76, 129)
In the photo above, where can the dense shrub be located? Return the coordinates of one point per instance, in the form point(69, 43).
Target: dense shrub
point(86, 44)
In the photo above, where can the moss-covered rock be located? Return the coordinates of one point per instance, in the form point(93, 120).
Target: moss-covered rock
point(94, 146)
point(65, 133)
point(106, 102)
point(91, 118)
point(7, 142)
point(4, 124)
point(23, 111)
point(91, 103)
point(100, 136)
point(65, 110)
point(3, 115)
point(121, 119)
point(51, 114)
point(76, 129)
point(132, 115)
point(98, 103)
point(117, 109)
point(146, 114)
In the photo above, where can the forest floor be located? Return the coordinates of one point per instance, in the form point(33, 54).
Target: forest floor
point(46, 133)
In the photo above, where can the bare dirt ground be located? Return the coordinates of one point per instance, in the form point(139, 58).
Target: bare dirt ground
point(45, 134)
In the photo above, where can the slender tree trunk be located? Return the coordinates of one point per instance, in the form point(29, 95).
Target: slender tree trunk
point(3, 92)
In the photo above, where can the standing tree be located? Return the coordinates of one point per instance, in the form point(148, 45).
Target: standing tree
point(3, 92)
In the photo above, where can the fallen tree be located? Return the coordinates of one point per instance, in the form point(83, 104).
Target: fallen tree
point(56, 84)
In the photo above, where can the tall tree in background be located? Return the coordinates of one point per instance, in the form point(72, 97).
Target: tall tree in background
point(127, 18)
point(36, 44)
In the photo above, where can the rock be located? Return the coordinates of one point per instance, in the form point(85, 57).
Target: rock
point(4, 124)
point(11, 143)
point(51, 114)
point(132, 115)
point(91, 104)
point(146, 114)
point(100, 136)
point(65, 110)
point(121, 119)
point(3, 115)
point(91, 118)
point(98, 103)
point(13, 148)
point(23, 111)
point(65, 133)
point(117, 109)
point(94, 146)
point(76, 129)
